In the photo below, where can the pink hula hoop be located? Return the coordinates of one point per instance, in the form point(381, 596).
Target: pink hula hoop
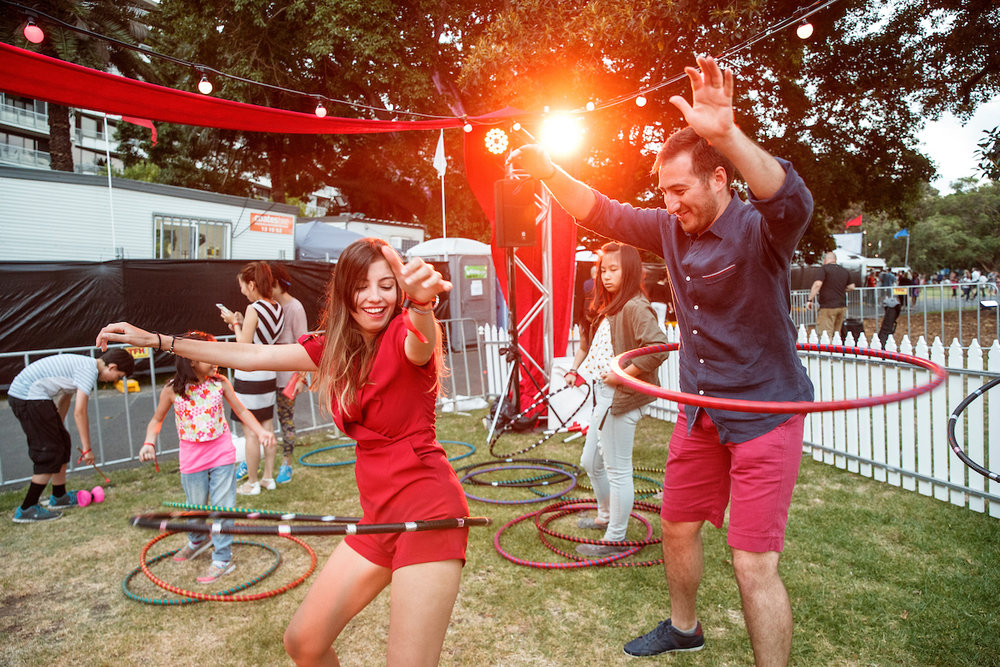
point(798, 407)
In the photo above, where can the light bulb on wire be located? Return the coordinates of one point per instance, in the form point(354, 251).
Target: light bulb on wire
point(32, 32)
point(320, 109)
point(805, 29)
point(205, 86)
point(590, 106)
point(467, 127)
point(640, 101)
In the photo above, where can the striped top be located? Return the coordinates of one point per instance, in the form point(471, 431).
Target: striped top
point(271, 319)
point(48, 377)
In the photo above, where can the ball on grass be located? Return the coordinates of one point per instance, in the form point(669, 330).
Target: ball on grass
point(83, 497)
point(98, 494)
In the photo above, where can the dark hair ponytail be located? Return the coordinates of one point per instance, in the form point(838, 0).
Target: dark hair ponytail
point(260, 274)
point(185, 375)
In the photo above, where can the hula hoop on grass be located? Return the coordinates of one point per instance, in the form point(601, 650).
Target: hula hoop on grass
point(215, 597)
point(302, 459)
point(619, 563)
point(159, 521)
point(187, 600)
point(246, 512)
point(775, 407)
point(571, 476)
point(959, 452)
point(657, 486)
point(551, 565)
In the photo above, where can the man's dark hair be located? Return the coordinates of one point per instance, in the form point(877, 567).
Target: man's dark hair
point(704, 157)
point(120, 358)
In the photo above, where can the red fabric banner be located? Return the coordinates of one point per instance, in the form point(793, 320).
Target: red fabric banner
point(853, 222)
point(39, 77)
point(143, 122)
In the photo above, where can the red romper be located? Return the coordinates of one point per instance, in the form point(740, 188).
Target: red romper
point(402, 472)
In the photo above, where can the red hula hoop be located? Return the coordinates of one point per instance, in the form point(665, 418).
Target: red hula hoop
point(225, 598)
point(797, 407)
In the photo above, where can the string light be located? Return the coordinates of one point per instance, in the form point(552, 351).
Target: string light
point(805, 29)
point(467, 127)
point(640, 101)
point(32, 32)
point(204, 86)
point(320, 109)
point(497, 141)
point(590, 106)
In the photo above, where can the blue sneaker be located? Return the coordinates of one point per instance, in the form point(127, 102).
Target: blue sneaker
point(64, 502)
point(241, 470)
point(284, 474)
point(665, 638)
point(34, 514)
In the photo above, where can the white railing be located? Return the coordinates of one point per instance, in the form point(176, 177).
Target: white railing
point(904, 444)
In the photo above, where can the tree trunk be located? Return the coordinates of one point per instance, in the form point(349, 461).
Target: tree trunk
point(60, 145)
point(276, 164)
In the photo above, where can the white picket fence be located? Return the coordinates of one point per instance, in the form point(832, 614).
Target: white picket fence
point(904, 443)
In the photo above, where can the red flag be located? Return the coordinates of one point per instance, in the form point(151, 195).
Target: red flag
point(148, 123)
point(854, 222)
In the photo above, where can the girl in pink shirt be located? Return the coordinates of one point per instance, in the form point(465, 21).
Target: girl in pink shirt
point(207, 455)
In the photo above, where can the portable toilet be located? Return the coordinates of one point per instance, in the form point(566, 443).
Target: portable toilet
point(468, 264)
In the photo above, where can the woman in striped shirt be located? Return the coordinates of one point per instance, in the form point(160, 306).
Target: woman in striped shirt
point(256, 389)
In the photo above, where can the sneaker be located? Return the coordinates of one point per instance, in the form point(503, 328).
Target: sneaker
point(267, 483)
point(241, 471)
point(64, 502)
point(248, 489)
point(190, 552)
point(284, 474)
point(588, 523)
point(215, 572)
point(664, 638)
point(34, 514)
point(599, 550)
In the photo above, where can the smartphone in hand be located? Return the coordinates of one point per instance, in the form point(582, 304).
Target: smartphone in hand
point(222, 308)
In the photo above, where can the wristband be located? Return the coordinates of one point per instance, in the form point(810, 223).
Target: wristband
point(159, 341)
point(573, 371)
point(424, 308)
point(150, 444)
point(173, 340)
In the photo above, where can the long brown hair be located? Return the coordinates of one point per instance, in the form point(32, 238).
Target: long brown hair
point(605, 303)
point(260, 274)
point(347, 355)
point(185, 375)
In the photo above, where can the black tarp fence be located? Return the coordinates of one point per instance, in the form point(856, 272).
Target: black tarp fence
point(48, 305)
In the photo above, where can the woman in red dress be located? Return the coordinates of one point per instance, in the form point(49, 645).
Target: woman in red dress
point(378, 369)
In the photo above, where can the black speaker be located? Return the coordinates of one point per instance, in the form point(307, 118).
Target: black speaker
point(514, 205)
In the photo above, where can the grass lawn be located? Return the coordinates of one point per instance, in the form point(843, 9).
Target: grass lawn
point(876, 575)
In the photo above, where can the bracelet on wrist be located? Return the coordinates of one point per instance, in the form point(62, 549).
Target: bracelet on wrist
point(159, 341)
point(423, 308)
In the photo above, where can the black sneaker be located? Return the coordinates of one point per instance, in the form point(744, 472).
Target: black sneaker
point(34, 514)
point(665, 638)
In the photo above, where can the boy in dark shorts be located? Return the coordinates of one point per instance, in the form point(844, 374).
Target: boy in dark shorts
point(39, 397)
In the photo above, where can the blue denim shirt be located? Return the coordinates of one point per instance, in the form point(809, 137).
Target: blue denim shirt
point(731, 289)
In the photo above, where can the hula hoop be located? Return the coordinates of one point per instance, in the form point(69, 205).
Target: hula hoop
point(159, 521)
point(529, 500)
point(774, 407)
point(959, 452)
point(618, 563)
point(516, 482)
point(554, 565)
point(246, 512)
point(188, 600)
point(302, 459)
point(215, 597)
point(528, 410)
point(573, 506)
point(658, 486)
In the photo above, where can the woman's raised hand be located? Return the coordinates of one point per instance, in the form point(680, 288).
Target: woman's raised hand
point(418, 279)
point(123, 332)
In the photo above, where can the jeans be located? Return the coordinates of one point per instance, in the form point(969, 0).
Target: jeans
point(607, 458)
point(214, 486)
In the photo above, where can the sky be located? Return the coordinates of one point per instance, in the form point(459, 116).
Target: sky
point(952, 146)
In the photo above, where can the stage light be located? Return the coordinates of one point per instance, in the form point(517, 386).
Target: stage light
point(204, 86)
point(32, 32)
point(320, 109)
point(640, 101)
point(805, 29)
point(497, 141)
point(562, 134)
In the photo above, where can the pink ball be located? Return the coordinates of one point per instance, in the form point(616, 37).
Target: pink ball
point(98, 493)
point(83, 497)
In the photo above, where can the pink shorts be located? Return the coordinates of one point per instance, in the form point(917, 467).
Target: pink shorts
point(758, 475)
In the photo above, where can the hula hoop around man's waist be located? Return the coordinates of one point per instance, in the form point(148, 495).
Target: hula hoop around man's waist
point(772, 407)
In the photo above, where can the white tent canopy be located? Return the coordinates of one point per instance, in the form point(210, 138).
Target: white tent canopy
point(448, 246)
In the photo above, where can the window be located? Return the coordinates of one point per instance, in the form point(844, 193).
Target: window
point(190, 238)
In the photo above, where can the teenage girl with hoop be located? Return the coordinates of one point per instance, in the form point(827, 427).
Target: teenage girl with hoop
point(621, 319)
point(377, 369)
point(207, 455)
point(257, 389)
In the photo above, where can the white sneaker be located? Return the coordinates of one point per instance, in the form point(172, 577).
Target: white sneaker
point(248, 489)
point(268, 483)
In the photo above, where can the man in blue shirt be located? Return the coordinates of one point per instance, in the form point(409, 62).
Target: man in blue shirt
point(729, 264)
